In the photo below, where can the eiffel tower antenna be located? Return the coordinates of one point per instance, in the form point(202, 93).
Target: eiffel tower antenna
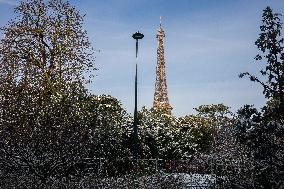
point(161, 99)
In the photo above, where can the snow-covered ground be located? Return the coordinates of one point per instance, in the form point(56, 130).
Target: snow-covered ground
point(197, 181)
point(162, 180)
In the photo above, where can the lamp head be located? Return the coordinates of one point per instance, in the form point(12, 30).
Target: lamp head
point(138, 35)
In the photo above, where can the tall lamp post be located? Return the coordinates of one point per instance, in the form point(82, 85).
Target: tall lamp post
point(136, 36)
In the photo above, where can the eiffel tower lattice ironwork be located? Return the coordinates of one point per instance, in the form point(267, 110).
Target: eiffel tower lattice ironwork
point(161, 99)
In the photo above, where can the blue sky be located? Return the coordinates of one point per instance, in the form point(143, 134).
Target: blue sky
point(208, 43)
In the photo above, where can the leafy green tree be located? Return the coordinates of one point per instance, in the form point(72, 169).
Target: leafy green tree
point(217, 116)
point(195, 134)
point(261, 133)
point(168, 137)
point(110, 125)
point(45, 49)
point(156, 134)
point(270, 43)
point(44, 59)
point(213, 111)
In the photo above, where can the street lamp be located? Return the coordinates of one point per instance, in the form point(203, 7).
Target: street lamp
point(136, 36)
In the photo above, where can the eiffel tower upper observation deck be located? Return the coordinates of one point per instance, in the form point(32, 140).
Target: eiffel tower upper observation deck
point(161, 99)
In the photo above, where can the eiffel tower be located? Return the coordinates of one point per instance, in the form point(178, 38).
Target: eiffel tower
point(161, 99)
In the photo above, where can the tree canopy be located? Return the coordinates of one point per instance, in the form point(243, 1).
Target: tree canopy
point(45, 48)
point(270, 43)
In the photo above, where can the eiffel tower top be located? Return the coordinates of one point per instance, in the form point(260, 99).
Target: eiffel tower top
point(160, 32)
point(161, 99)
